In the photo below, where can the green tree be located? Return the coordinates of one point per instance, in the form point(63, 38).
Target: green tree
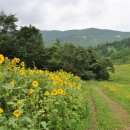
point(31, 46)
point(7, 23)
point(8, 34)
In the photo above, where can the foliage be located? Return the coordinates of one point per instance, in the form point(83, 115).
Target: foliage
point(8, 34)
point(30, 46)
point(81, 61)
point(118, 51)
point(27, 44)
point(7, 23)
point(36, 99)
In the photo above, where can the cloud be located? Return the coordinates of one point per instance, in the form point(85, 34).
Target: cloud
point(70, 14)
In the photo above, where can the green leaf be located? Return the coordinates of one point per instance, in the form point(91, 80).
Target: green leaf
point(57, 103)
point(7, 86)
point(43, 123)
point(12, 120)
point(28, 119)
point(2, 119)
point(11, 103)
point(54, 111)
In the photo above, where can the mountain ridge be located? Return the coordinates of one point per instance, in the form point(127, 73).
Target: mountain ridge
point(84, 37)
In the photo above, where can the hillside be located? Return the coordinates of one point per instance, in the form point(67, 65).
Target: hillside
point(118, 51)
point(84, 37)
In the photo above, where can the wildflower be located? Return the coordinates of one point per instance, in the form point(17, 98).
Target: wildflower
point(12, 84)
point(60, 83)
point(60, 91)
point(64, 92)
point(1, 110)
point(1, 59)
point(31, 71)
point(22, 64)
point(21, 71)
point(65, 83)
point(20, 103)
point(30, 91)
point(16, 113)
point(35, 83)
point(70, 84)
point(54, 92)
point(16, 60)
point(41, 72)
point(79, 86)
point(46, 93)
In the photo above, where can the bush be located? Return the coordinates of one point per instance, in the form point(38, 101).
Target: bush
point(83, 62)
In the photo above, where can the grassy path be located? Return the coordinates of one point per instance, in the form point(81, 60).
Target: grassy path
point(109, 101)
point(118, 111)
point(106, 113)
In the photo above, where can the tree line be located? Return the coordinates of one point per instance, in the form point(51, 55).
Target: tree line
point(27, 44)
point(118, 51)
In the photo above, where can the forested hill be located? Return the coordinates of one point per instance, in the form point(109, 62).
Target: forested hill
point(84, 37)
point(118, 51)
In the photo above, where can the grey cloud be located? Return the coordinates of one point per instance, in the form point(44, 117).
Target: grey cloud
point(70, 14)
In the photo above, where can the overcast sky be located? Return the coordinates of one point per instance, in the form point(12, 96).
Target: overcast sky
point(70, 14)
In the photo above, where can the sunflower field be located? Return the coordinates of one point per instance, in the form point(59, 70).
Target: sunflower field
point(32, 99)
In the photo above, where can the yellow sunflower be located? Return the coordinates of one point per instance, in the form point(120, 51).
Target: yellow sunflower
point(35, 83)
point(30, 91)
point(16, 113)
point(1, 110)
point(46, 93)
point(54, 92)
point(60, 91)
point(1, 59)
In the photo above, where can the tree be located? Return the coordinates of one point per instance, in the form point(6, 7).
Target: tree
point(7, 23)
point(8, 34)
point(67, 54)
point(31, 47)
point(54, 57)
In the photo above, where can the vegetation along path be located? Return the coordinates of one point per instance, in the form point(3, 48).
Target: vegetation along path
point(118, 111)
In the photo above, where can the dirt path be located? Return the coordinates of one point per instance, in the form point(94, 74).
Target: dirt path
point(117, 109)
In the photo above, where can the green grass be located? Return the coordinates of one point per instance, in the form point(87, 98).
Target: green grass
point(121, 75)
point(118, 88)
point(104, 116)
point(105, 119)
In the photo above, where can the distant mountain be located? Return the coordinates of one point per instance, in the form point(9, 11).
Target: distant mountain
point(84, 37)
